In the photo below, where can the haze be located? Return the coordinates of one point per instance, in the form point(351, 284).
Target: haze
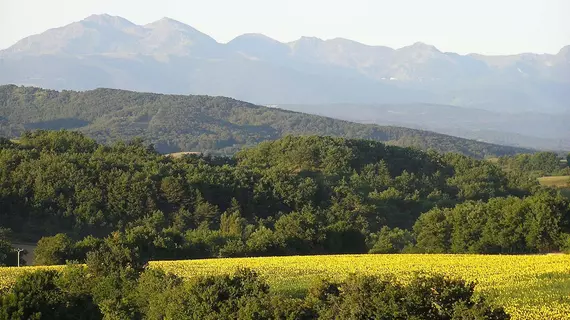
point(483, 26)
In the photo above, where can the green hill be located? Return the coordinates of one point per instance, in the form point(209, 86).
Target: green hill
point(219, 125)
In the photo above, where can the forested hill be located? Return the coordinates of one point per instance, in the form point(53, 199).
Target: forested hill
point(197, 123)
point(295, 195)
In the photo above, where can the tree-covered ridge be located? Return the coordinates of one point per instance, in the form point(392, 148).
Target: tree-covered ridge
point(197, 123)
point(295, 195)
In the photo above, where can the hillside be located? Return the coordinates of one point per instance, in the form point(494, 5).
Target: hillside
point(175, 123)
point(534, 130)
point(294, 195)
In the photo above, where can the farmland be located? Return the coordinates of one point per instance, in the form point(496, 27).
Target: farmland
point(530, 287)
point(555, 181)
point(9, 274)
point(559, 182)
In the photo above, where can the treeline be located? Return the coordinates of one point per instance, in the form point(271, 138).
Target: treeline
point(113, 285)
point(536, 165)
point(296, 195)
point(206, 124)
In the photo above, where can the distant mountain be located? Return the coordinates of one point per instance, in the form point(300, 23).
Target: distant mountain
point(197, 123)
point(109, 35)
point(168, 56)
point(529, 130)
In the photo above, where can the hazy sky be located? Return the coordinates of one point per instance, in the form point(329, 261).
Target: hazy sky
point(464, 26)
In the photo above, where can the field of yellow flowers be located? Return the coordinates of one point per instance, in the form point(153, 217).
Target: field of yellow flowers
point(529, 287)
point(9, 274)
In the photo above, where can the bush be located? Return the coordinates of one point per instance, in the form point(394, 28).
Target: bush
point(392, 241)
point(38, 296)
point(219, 297)
point(54, 250)
point(426, 297)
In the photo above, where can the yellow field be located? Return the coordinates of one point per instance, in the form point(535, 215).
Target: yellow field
point(556, 181)
point(181, 154)
point(562, 183)
point(530, 287)
point(9, 274)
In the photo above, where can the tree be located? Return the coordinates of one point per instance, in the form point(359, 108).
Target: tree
point(38, 295)
point(392, 241)
point(54, 250)
point(426, 297)
point(298, 231)
point(231, 222)
point(6, 248)
point(433, 231)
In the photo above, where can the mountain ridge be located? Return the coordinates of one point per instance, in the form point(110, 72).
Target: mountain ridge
point(169, 56)
point(107, 19)
point(198, 123)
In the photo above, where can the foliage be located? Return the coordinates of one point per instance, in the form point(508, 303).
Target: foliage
point(296, 195)
point(75, 293)
point(392, 241)
point(433, 297)
point(502, 225)
point(38, 295)
point(528, 286)
point(5, 247)
point(54, 250)
point(538, 164)
point(197, 123)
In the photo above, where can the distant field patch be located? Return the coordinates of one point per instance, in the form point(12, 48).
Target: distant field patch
point(555, 181)
point(181, 154)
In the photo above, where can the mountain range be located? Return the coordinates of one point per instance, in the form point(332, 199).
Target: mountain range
point(168, 56)
point(518, 100)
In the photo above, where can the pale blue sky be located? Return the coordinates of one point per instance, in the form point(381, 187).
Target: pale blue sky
point(464, 26)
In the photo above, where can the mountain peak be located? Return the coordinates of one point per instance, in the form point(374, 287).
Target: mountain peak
point(422, 46)
point(254, 36)
point(170, 24)
point(564, 51)
point(106, 19)
point(311, 39)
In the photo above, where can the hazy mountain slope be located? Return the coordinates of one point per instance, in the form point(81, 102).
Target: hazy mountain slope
point(168, 56)
point(531, 130)
point(196, 123)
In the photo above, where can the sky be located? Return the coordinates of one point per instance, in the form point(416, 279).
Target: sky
point(463, 26)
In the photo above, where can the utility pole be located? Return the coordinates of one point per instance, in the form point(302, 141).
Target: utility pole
point(19, 250)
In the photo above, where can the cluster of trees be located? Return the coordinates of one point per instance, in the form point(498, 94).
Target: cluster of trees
point(5, 246)
point(197, 123)
point(295, 195)
point(501, 225)
point(114, 285)
point(537, 164)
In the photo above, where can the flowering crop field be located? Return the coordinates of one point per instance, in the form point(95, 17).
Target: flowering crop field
point(529, 287)
point(9, 274)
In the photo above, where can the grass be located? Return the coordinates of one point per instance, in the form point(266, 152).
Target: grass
point(561, 183)
point(555, 181)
